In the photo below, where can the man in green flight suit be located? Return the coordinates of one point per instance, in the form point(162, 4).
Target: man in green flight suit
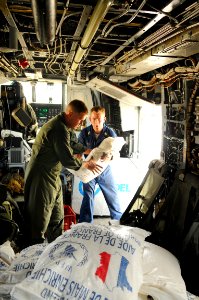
point(52, 149)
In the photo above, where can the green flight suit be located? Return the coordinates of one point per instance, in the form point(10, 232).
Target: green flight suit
point(43, 209)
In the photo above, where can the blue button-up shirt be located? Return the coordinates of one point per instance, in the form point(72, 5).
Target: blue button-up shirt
point(87, 136)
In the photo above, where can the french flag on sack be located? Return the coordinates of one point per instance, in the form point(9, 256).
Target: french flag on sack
point(112, 271)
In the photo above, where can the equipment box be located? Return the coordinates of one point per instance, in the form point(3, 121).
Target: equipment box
point(69, 217)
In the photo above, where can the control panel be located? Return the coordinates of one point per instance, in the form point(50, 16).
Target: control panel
point(45, 112)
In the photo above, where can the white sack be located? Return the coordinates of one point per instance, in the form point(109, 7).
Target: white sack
point(87, 262)
point(3, 265)
point(109, 147)
point(161, 274)
point(22, 265)
point(20, 268)
point(7, 253)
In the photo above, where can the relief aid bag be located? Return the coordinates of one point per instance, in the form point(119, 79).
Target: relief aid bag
point(7, 253)
point(162, 278)
point(108, 148)
point(22, 265)
point(20, 268)
point(87, 262)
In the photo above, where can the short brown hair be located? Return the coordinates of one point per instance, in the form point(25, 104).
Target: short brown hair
point(98, 109)
point(78, 106)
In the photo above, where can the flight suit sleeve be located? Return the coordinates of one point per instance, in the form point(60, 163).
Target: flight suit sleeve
point(64, 150)
point(81, 138)
point(78, 148)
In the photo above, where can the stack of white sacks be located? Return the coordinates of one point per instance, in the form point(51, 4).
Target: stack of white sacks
point(93, 262)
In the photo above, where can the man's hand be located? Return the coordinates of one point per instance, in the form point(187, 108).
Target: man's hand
point(106, 157)
point(78, 156)
point(87, 151)
point(92, 166)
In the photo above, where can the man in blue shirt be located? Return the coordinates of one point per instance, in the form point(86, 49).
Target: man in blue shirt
point(91, 137)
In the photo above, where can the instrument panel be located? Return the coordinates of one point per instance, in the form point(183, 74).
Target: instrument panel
point(45, 112)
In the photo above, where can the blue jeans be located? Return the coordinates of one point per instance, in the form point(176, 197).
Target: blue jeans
point(108, 187)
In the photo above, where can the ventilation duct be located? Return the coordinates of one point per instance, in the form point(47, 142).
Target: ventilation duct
point(44, 13)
